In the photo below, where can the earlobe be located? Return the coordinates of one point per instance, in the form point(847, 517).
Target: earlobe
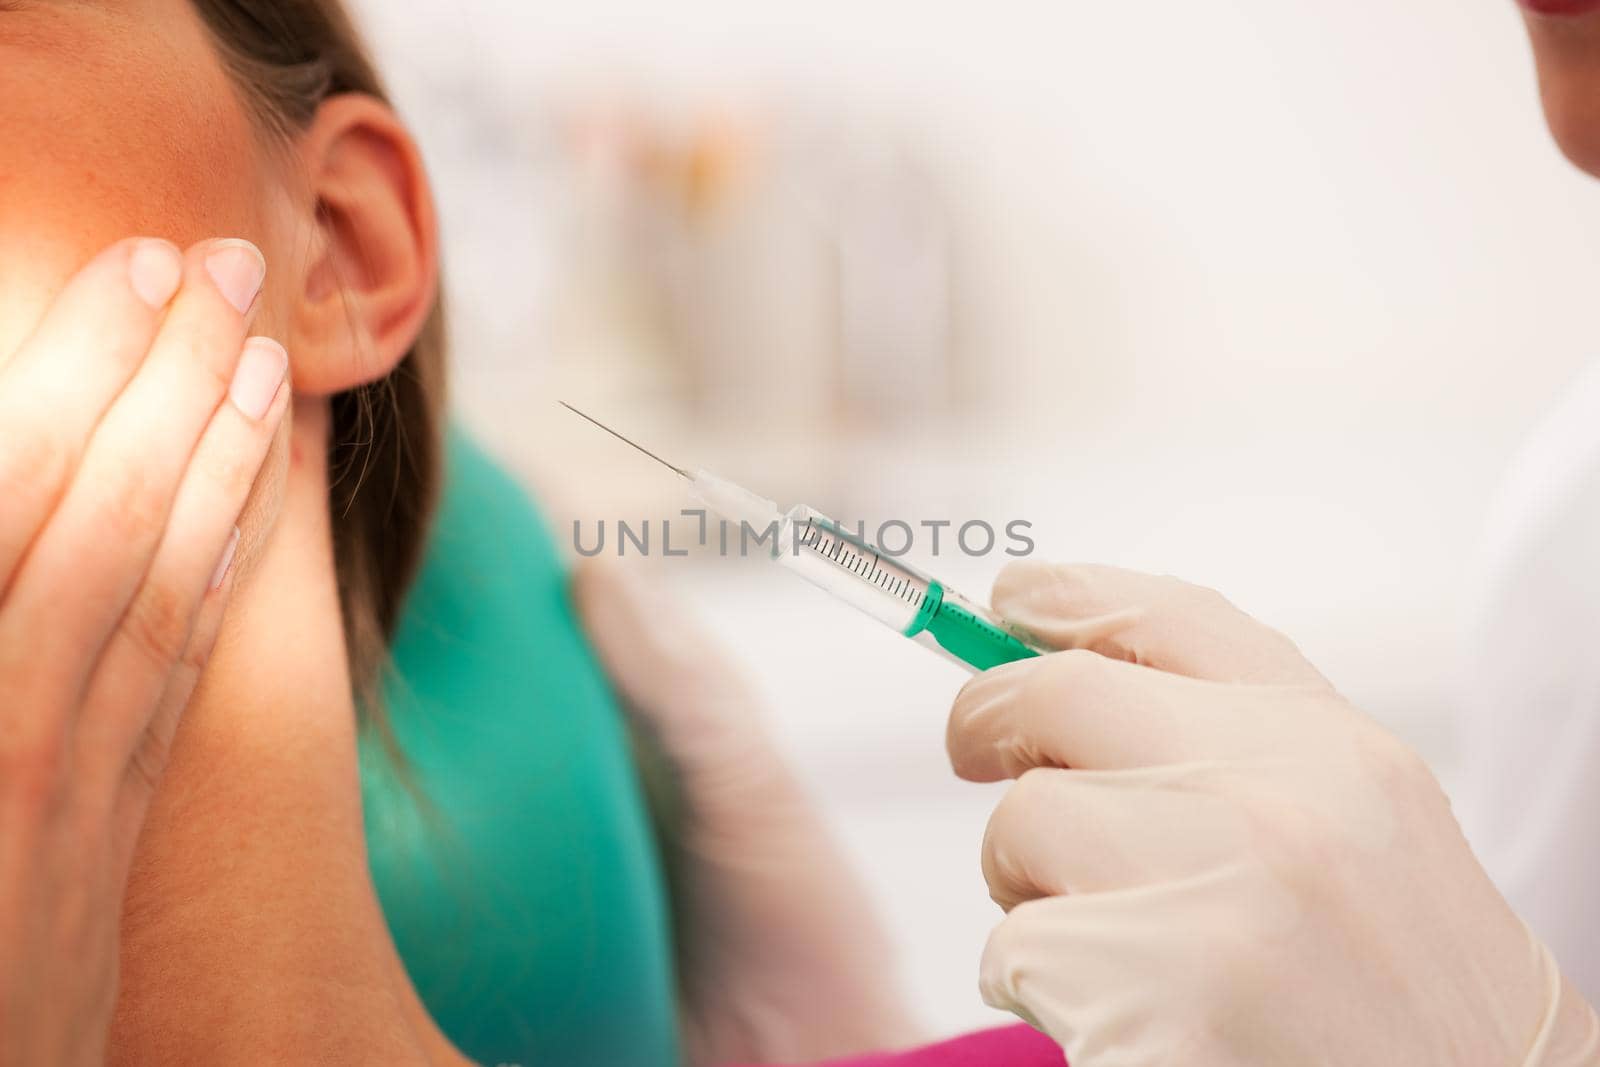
point(372, 276)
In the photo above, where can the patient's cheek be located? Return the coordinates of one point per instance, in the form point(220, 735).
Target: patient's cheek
point(108, 135)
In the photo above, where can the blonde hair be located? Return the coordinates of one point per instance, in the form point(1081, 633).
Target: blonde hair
point(385, 447)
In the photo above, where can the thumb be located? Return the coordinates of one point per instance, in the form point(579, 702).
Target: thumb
point(1150, 620)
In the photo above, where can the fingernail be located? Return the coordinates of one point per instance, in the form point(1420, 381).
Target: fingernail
point(227, 559)
point(237, 267)
point(155, 268)
point(261, 368)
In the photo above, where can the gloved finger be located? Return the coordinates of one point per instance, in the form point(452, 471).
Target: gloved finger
point(1059, 832)
point(1154, 621)
point(1080, 709)
point(1145, 975)
point(1067, 966)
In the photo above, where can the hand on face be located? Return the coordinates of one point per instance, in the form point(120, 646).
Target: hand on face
point(1209, 857)
point(137, 416)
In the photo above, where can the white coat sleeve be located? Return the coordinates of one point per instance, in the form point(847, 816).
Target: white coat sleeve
point(1529, 792)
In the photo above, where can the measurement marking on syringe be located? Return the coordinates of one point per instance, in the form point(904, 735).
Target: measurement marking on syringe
point(862, 560)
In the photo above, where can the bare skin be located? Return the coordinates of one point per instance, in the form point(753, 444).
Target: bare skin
point(251, 932)
point(1567, 52)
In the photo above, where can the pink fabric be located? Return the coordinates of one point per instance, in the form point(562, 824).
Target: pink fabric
point(1013, 1046)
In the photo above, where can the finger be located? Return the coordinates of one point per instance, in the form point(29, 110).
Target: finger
point(1037, 962)
point(1061, 832)
point(150, 640)
point(1106, 972)
point(124, 487)
point(57, 386)
point(1080, 709)
point(1139, 968)
point(1153, 621)
point(154, 747)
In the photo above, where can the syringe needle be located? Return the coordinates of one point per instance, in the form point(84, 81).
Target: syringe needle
point(852, 569)
point(679, 470)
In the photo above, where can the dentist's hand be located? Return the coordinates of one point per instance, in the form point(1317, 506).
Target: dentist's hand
point(781, 958)
point(1210, 858)
point(133, 422)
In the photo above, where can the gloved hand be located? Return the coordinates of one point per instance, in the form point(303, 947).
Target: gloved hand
point(780, 957)
point(1209, 857)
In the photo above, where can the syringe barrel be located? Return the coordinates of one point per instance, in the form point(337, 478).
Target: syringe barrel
point(970, 634)
point(846, 564)
point(841, 561)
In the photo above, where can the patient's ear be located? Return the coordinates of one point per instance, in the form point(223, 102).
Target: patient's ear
point(373, 270)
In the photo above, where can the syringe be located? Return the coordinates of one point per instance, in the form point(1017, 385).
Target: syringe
point(845, 564)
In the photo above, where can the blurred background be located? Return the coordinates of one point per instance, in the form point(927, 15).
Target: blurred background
point(1255, 293)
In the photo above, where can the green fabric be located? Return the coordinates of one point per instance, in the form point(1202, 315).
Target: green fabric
point(524, 889)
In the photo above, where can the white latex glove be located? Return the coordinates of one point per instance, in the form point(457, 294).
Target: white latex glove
point(780, 957)
point(1238, 867)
